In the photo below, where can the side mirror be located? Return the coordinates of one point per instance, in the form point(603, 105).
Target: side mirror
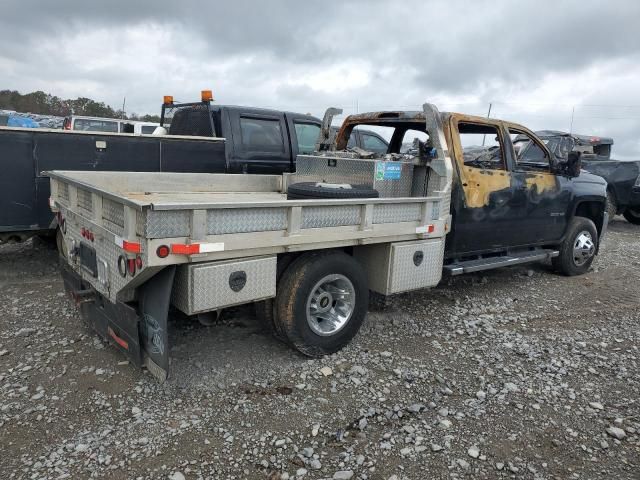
point(572, 165)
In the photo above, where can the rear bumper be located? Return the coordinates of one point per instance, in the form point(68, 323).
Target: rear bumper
point(117, 323)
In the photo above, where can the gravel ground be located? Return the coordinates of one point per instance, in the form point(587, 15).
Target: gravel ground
point(514, 373)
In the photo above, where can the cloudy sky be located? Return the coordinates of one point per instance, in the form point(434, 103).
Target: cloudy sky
point(536, 61)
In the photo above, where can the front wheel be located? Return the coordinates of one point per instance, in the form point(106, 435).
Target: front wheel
point(632, 215)
point(321, 303)
point(578, 250)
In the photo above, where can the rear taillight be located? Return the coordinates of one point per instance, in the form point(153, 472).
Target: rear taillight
point(131, 266)
point(162, 251)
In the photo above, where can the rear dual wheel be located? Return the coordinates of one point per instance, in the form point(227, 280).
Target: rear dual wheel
point(321, 303)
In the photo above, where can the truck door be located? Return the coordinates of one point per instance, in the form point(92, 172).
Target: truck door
point(543, 196)
point(303, 134)
point(260, 142)
point(485, 206)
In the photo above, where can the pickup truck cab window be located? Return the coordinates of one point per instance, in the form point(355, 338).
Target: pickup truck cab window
point(482, 146)
point(408, 139)
point(373, 143)
point(261, 134)
point(528, 154)
point(307, 135)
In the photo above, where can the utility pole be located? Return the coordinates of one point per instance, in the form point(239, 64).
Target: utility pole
point(124, 101)
point(484, 137)
point(573, 111)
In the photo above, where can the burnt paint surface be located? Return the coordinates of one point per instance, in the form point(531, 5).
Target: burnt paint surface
point(494, 209)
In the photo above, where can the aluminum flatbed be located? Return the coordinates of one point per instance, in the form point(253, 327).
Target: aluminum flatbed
point(137, 243)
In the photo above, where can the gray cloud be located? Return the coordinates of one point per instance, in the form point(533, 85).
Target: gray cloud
point(360, 55)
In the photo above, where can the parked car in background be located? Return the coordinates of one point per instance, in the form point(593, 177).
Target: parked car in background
point(112, 125)
point(365, 139)
point(7, 120)
point(622, 176)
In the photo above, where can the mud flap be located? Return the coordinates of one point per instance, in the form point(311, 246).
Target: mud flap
point(154, 298)
point(115, 322)
point(140, 333)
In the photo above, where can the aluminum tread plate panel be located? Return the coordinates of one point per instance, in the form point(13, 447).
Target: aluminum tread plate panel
point(340, 215)
point(405, 275)
point(396, 213)
point(207, 286)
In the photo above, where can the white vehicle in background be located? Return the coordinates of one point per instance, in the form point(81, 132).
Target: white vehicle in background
point(111, 125)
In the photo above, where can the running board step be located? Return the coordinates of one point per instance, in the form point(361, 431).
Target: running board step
point(480, 264)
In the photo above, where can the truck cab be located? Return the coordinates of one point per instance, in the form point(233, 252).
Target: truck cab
point(508, 205)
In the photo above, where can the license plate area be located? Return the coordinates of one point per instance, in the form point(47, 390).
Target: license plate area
point(88, 260)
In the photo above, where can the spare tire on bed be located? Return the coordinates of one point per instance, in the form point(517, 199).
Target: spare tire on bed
point(309, 190)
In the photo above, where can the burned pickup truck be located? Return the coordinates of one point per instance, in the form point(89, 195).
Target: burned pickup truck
point(622, 176)
point(309, 246)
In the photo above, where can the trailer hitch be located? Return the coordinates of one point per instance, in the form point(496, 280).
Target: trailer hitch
point(83, 296)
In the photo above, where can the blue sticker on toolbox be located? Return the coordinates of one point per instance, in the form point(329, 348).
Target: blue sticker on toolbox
point(388, 170)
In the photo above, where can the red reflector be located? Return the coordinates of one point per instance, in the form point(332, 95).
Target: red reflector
point(120, 341)
point(163, 251)
point(132, 247)
point(139, 262)
point(182, 249)
point(131, 266)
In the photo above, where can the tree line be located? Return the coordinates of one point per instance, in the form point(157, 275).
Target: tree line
point(46, 104)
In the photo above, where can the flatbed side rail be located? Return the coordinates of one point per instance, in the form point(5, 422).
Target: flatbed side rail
point(225, 229)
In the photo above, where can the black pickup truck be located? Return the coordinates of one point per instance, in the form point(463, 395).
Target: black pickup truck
point(622, 176)
point(508, 205)
point(254, 141)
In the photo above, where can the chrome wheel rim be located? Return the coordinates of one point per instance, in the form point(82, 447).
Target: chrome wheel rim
point(330, 305)
point(583, 248)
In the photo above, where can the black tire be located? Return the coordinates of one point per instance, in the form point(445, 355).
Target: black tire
point(265, 312)
point(566, 262)
point(61, 244)
point(299, 282)
point(612, 205)
point(308, 190)
point(632, 215)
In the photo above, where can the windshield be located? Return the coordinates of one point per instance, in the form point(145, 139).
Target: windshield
point(559, 146)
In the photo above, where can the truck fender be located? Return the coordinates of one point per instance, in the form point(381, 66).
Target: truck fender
point(593, 208)
point(153, 308)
